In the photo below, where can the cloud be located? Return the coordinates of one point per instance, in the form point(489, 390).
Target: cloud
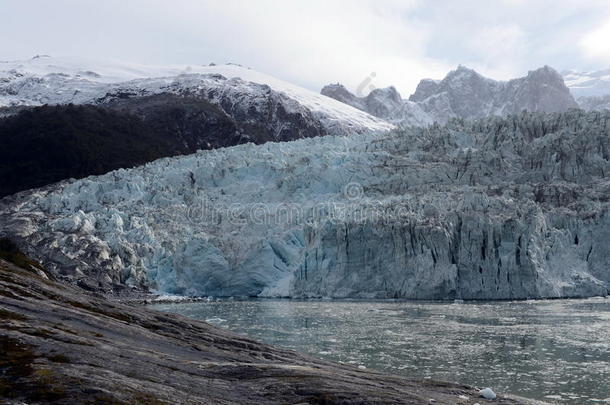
point(315, 42)
point(596, 43)
point(499, 49)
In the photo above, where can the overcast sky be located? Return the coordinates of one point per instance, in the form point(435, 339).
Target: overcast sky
point(315, 42)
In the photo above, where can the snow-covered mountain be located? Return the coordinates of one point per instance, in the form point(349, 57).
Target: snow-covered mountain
point(50, 80)
point(463, 93)
point(151, 111)
point(499, 208)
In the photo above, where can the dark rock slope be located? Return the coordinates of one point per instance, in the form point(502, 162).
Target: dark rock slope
point(63, 347)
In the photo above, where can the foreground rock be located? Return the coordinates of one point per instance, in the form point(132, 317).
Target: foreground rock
point(61, 346)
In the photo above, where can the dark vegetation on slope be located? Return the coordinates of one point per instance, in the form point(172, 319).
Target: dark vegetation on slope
point(47, 144)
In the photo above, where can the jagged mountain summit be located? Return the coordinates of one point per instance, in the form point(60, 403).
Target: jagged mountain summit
point(242, 92)
point(501, 208)
point(469, 95)
point(463, 93)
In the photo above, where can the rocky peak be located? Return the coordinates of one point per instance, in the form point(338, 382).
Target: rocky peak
point(541, 90)
point(425, 89)
point(340, 93)
point(383, 102)
point(546, 75)
point(388, 93)
point(463, 93)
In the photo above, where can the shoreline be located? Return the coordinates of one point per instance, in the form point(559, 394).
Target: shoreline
point(153, 299)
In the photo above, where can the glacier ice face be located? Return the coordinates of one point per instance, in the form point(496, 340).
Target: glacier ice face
point(495, 209)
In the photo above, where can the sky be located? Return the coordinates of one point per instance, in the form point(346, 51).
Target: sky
point(362, 44)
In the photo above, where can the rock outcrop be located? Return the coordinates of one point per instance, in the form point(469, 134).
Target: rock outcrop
point(508, 208)
point(43, 145)
point(383, 103)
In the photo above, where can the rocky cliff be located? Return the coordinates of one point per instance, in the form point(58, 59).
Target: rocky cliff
point(383, 103)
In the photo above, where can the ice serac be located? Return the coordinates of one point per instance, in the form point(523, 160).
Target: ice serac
point(502, 208)
point(463, 93)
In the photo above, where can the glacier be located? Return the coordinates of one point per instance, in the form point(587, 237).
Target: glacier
point(511, 208)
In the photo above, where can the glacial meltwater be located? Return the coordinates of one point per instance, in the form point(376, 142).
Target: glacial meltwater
point(557, 351)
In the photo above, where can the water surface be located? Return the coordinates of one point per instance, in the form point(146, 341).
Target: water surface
point(558, 351)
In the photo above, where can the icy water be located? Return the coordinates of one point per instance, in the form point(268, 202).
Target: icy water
point(558, 351)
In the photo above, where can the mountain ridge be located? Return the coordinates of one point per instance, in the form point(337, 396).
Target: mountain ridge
point(464, 93)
